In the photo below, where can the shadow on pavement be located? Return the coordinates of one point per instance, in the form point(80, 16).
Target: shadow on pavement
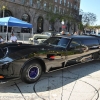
point(53, 80)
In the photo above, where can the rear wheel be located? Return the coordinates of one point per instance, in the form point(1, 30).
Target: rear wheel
point(31, 72)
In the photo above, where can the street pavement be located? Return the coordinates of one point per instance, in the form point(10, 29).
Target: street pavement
point(80, 82)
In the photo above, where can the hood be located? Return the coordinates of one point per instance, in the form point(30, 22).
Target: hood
point(19, 52)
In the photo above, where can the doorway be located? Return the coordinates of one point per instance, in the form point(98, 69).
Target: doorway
point(40, 24)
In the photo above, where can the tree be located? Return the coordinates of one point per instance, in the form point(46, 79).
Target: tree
point(88, 18)
point(53, 17)
point(80, 27)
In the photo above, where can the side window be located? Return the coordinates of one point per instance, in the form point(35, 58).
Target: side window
point(75, 47)
point(75, 44)
point(91, 42)
point(63, 42)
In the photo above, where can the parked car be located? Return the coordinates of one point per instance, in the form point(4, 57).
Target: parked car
point(51, 33)
point(38, 38)
point(28, 62)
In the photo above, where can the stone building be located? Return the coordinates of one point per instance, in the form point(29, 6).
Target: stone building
point(35, 12)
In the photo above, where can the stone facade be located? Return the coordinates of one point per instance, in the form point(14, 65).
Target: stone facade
point(20, 9)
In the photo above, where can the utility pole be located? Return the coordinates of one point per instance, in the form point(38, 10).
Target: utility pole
point(3, 8)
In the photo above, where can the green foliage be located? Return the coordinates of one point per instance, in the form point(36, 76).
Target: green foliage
point(93, 27)
point(88, 18)
point(53, 17)
point(81, 27)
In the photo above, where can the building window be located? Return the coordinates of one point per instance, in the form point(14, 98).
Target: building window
point(31, 2)
point(7, 13)
point(63, 11)
point(64, 2)
point(60, 10)
point(38, 4)
point(22, 1)
point(50, 7)
point(74, 6)
point(68, 4)
point(60, 1)
point(45, 5)
point(71, 5)
point(55, 0)
point(40, 24)
point(55, 9)
point(26, 17)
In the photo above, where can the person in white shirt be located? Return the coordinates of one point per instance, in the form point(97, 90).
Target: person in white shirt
point(75, 33)
point(13, 38)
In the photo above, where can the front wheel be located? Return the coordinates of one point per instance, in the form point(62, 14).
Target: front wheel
point(31, 72)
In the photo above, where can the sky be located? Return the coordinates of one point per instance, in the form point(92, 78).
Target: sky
point(92, 6)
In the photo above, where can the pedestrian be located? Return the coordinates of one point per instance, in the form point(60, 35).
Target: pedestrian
point(63, 33)
point(1, 39)
point(75, 33)
point(13, 38)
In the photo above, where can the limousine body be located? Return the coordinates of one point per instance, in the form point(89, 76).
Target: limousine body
point(28, 62)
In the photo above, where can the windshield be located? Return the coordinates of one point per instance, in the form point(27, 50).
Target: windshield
point(58, 41)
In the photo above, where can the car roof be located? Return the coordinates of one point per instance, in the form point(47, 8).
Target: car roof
point(77, 36)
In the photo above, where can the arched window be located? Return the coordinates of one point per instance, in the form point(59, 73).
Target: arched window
point(7, 13)
point(25, 17)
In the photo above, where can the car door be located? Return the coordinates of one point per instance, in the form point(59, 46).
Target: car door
point(82, 50)
point(57, 55)
point(74, 52)
point(93, 48)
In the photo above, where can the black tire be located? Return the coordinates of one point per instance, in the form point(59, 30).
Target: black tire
point(31, 72)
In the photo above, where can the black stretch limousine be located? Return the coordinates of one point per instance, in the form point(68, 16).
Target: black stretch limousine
point(28, 62)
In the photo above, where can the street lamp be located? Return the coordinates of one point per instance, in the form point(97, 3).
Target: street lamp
point(3, 8)
point(62, 24)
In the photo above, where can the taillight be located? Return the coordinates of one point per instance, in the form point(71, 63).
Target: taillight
point(1, 77)
point(52, 57)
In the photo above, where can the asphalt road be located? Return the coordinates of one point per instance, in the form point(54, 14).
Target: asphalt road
point(81, 82)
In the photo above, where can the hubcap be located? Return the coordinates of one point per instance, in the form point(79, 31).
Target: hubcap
point(33, 72)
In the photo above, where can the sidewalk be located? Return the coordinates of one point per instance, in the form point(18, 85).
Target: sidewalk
point(81, 82)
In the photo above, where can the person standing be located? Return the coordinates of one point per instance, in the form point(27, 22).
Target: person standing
point(13, 38)
point(75, 33)
point(63, 33)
